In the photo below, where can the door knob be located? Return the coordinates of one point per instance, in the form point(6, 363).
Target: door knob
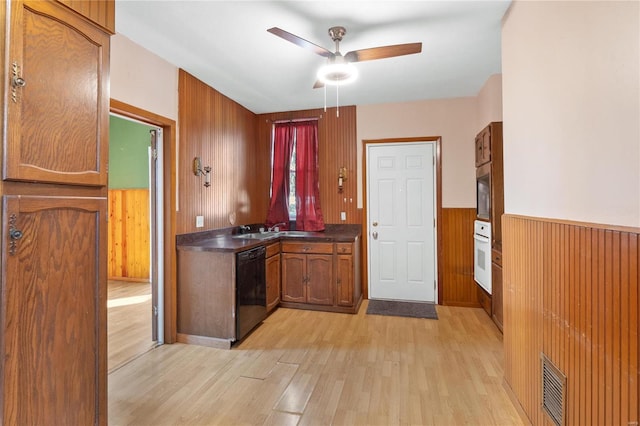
point(375, 235)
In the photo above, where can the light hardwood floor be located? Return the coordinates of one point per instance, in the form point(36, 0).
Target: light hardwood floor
point(128, 321)
point(316, 368)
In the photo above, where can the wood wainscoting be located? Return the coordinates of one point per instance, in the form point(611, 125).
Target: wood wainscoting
point(129, 238)
point(571, 292)
point(458, 287)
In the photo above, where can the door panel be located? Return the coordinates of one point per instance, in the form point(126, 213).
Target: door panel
point(401, 221)
point(344, 280)
point(320, 279)
point(58, 119)
point(293, 275)
point(54, 306)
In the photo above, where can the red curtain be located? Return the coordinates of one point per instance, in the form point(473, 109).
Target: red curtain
point(283, 142)
point(308, 212)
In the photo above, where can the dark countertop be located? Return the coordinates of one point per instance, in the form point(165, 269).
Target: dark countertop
point(226, 240)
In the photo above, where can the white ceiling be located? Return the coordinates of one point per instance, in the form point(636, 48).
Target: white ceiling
point(226, 45)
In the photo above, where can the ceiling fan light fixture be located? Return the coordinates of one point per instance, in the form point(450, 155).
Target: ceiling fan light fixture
point(337, 74)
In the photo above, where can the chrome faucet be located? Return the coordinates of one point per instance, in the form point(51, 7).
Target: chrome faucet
point(244, 228)
point(271, 228)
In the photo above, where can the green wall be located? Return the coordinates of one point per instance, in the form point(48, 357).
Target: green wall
point(128, 154)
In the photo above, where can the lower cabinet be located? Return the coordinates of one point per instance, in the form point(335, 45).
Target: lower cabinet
point(307, 273)
point(485, 300)
point(321, 276)
point(272, 275)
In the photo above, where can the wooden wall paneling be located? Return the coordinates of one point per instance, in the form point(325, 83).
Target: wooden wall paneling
point(129, 234)
point(102, 12)
point(458, 287)
point(223, 134)
point(338, 148)
point(522, 256)
point(586, 277)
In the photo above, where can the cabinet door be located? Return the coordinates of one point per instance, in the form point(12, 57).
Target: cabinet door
point(58, 97)
point(344, 280)
point(294, 274)
point(320, 279)
point(54, 308)
point(478, 145)
point(486, 145)
point(273, 281)
point(496, 288)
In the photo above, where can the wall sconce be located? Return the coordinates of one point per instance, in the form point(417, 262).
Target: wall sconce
point(198, 170)
point(342, 176)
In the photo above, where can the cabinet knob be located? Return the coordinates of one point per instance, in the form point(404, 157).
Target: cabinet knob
point(18, 82)
point(15, 234)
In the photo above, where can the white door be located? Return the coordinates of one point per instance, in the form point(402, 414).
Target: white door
point(401, 221)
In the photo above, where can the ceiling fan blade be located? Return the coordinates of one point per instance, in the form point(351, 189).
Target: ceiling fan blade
point(383, 52)
point(318, 84)
point(319, 50)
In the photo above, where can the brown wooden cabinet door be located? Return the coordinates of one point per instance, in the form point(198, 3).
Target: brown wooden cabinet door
point(273, 281)
point(483, 146)
point(320, 279)
point(58, 97)
point(344, 280)
point(294, 272)
point(478, 145)
point(54, 310)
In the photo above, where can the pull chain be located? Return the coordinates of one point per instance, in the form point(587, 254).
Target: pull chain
point(337, 101)
point(325, 97)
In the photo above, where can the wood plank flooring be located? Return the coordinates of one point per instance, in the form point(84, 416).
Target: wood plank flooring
point(318, 368)
point(128, 321)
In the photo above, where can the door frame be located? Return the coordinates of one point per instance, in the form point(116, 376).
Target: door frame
point(168, 127)
point(438, 207)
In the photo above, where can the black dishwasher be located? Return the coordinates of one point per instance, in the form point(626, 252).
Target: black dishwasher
point(251, 291)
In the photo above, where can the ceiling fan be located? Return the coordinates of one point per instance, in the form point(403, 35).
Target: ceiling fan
point(339, 70)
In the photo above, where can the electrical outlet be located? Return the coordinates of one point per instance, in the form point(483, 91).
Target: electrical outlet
point(343, 215)
point(199, 221)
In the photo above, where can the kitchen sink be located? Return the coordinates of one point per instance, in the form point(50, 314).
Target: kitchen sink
point(296, 233)
point(258, 236)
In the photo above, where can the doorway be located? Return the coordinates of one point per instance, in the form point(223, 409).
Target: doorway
point(133, 281)
point(402, 204)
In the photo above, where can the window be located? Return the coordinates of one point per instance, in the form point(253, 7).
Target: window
point(295, 193)
point(292, 184)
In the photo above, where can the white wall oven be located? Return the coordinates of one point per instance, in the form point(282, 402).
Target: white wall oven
point(482, 254)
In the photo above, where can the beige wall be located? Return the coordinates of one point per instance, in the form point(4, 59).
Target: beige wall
point(571, 99)
point(142, 79)
point(457, 121)
point(490, 102)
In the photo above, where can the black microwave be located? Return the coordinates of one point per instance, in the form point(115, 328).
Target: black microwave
point(483, 193)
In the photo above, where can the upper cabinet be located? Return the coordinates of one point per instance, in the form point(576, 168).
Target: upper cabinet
point(483, 146)
point(58, 97)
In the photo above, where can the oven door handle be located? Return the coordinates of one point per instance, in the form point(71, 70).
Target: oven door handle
point(481, 238)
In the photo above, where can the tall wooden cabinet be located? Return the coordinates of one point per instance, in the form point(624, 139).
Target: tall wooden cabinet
point(489, 161)
point(54, 175)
